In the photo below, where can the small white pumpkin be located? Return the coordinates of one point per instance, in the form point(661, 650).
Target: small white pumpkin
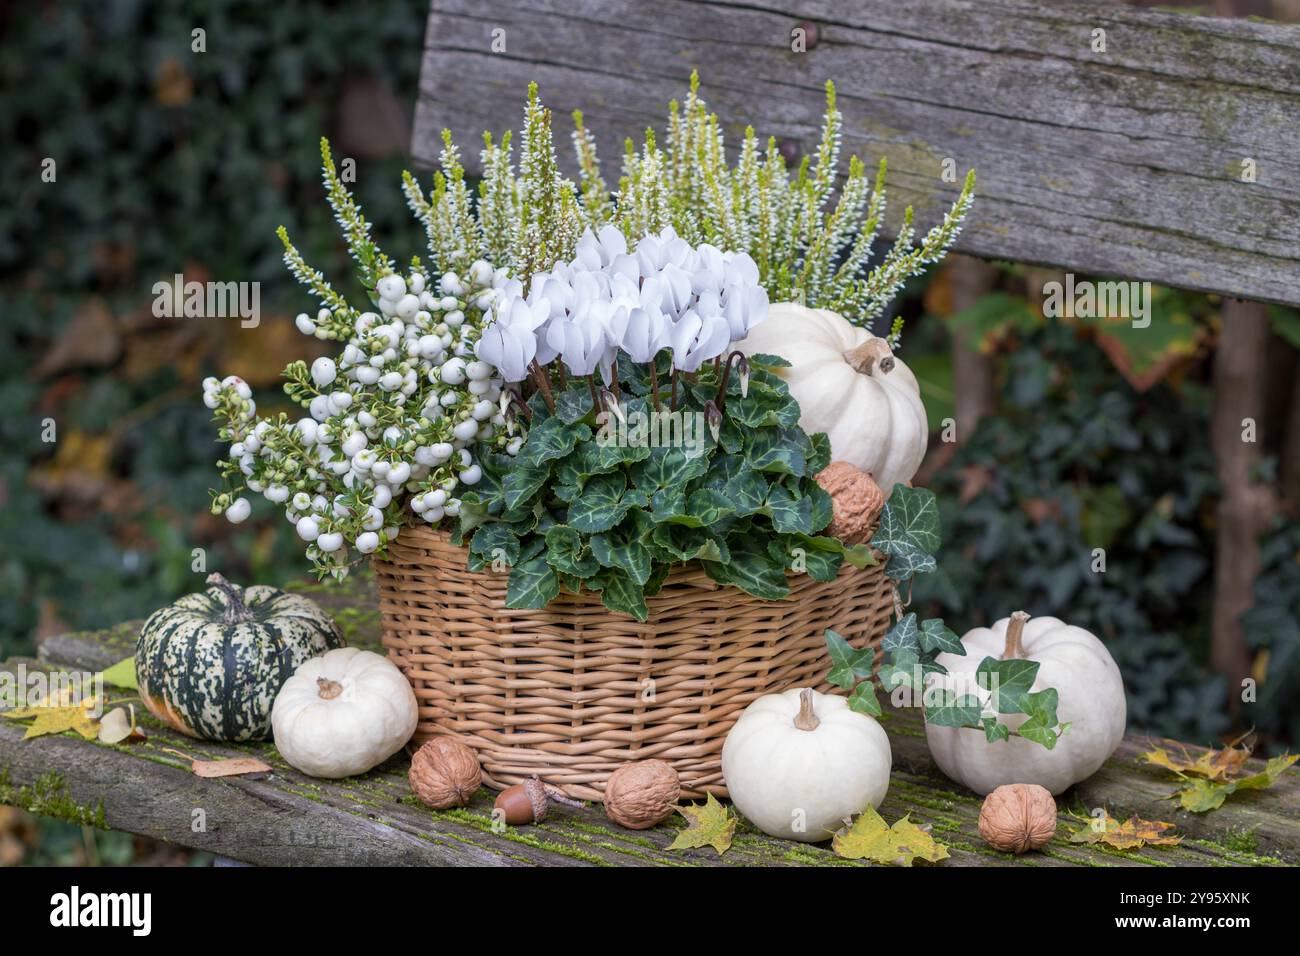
point(1091, 701)
point(849, 385)
point(343, 713)
point(799, 763)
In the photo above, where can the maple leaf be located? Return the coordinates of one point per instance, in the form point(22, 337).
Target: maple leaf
point(707, 824)
point(1200, 795)
point(1129, 835)
point(1212, 765)
point(59, 717)
point(871, 838)
point(1216, 774)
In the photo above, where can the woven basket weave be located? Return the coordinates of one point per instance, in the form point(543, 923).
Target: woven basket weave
point(573, 691)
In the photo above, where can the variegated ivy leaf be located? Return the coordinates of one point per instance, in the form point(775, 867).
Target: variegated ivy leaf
point(995, 730)
point(863, 699)
point(903, 638)
point(848, 664)
point(1041, 727)
point(949, 709)
point(935, 637)
point(908, 532)
point(1008, 682)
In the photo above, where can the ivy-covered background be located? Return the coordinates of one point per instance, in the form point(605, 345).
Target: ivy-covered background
point(171, 161)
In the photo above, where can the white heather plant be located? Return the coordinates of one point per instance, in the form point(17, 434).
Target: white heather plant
point(394, 422)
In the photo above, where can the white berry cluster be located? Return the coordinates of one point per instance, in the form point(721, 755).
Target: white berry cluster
point(395, 421)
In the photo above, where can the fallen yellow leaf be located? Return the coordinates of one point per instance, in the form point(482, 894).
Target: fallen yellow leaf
point(707, 824)
point(871, 838)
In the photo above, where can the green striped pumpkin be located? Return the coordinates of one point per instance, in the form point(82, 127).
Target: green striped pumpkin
point(211, 664)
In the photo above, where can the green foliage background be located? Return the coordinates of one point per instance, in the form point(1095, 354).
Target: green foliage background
point(160, 187)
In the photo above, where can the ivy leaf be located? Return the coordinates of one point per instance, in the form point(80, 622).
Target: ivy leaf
point(707, 824)
point(1008, 682)
point(952, 710)
point(895, 674)
point(908, 532)
point(903, 638)
point(1043, 730)
point(848, 663)
point(863, 699)
point(871, 838)
point(936, 637)
point(532, 584)
point(995, 730)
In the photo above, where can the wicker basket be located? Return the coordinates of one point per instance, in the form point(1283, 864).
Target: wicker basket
point(572, 692)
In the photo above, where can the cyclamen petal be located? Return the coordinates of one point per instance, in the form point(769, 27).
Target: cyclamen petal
point(510, 348)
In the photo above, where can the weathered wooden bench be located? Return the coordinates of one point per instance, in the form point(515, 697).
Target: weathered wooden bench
point(1126, 161)
point(283, 817)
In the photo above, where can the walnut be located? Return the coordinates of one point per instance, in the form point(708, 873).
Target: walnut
point(641, 794)
point(1018, 817)
point(445, 773)
point(856, 498)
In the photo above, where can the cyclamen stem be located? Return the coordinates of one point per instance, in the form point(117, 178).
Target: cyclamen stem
point(673, 405)
point(654, 382)
point(543, 381)
point(725, 376)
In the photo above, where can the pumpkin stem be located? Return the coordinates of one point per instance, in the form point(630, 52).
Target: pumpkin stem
point(1014, 650)
point(328, 689)
point(806, 719)
point(237, 611)
point(873, 353)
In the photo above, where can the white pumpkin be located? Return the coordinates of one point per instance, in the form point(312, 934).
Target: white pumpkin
point(799, 763)
point(1091, 700)
point(343, 713)
point(849, 385)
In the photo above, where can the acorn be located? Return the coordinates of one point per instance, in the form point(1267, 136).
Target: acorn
point(528, 802)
